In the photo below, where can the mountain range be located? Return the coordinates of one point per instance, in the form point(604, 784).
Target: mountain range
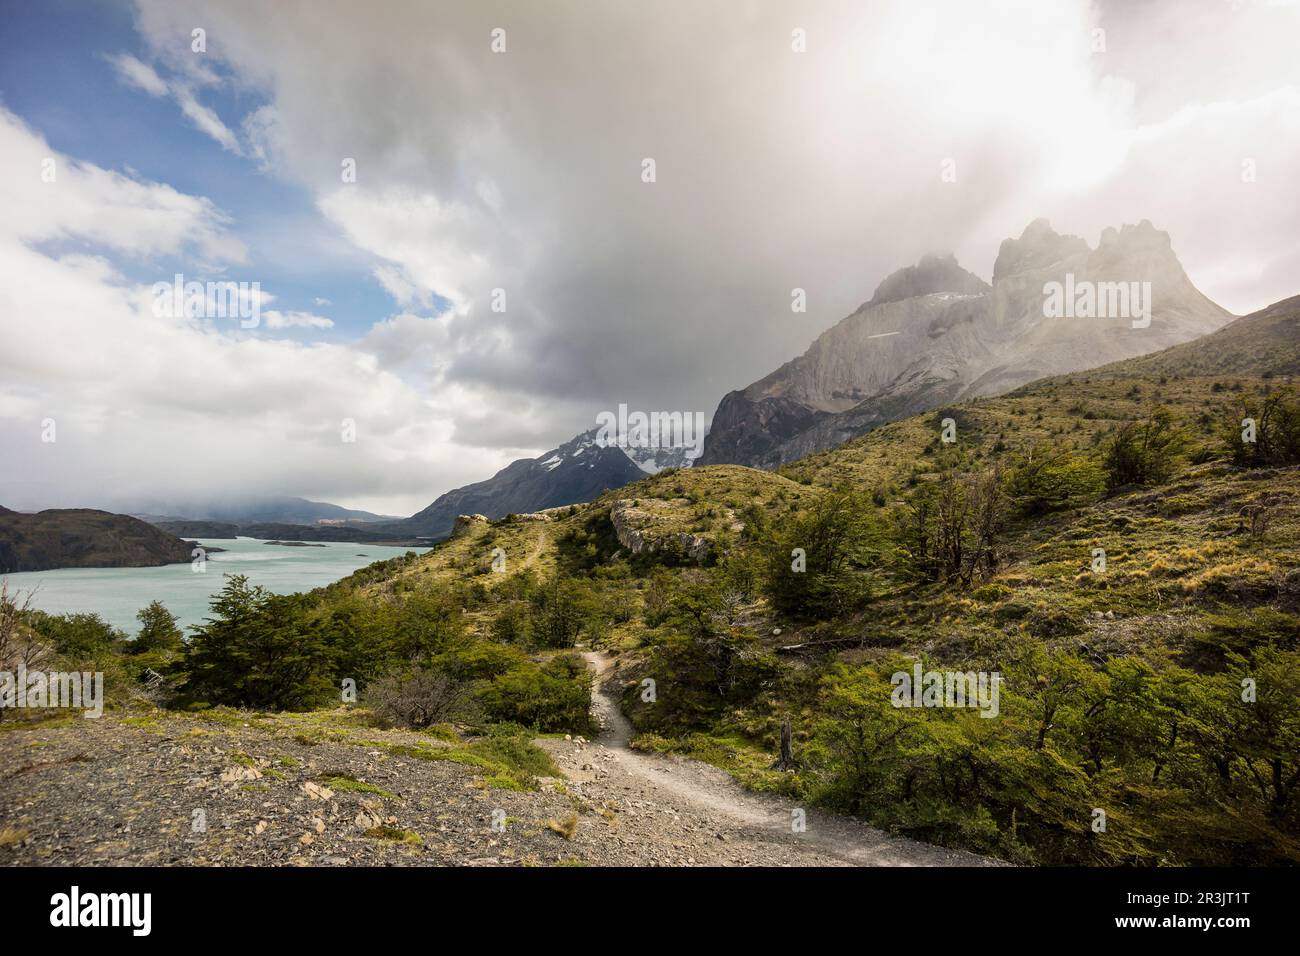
point(934, 333)
point(269, 509)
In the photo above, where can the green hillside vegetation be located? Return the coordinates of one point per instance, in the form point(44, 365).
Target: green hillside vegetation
point(1105, 541)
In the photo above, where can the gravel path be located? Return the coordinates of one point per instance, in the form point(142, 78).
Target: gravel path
point(676, 810)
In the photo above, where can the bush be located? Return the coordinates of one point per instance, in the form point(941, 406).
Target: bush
point(421, 697)
point(1277, 433)
point(816, 567)
point(555, 697)
point(1143, 452)
point(78, 637)
point(1052, 480)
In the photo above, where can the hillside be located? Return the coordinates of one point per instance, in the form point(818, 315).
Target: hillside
point(82, 538)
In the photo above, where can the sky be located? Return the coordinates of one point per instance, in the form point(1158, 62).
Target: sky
point(499, 270)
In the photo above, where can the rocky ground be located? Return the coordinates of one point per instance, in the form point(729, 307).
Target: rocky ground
point(327, 790)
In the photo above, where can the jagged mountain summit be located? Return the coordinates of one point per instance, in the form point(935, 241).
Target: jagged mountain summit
point(579, 470)
point(934, 333)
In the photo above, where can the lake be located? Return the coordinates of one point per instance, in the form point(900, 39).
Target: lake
point(116, 594)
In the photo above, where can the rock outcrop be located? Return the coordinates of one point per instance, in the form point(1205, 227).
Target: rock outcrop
point(642, 531)
point(464, 524)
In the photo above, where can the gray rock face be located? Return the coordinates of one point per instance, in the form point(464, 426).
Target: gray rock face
point(635, 529)
point(934, 333)
point(466, 523)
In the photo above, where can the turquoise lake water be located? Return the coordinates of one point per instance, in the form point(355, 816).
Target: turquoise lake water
point(116, 594)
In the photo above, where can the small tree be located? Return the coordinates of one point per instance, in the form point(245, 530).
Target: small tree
point(816, 567)
point(158, 630)
point(260, 650)
point(1143, 452)
point(1276, 432)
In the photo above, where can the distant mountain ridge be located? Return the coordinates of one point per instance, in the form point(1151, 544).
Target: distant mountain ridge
point(278, 509)
point(84, 538)
point(577, 471)
point(934, 333)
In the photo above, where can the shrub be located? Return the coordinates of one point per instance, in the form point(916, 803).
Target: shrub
point(1143, 452)
point(421, 697)
point(1052, 480)
point(555, 697)
point(816, 567)
point(1277, 433)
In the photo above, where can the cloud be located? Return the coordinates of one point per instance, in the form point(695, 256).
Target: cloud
point(819, 170)
point(295, 320)
point(143, 77)
point(86, 202)
point(139, 75)
point(141, 399)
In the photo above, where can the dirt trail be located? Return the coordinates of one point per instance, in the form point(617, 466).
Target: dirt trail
point(706, 815)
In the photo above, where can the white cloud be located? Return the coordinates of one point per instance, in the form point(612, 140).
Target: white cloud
point(819, 170)
point(102, 207)
point(143, 77)
point(299, 320)
point(139, 75)
point(521, 172)
point(139, 399)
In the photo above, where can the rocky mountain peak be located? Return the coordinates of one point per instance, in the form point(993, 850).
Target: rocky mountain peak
point(934, 273)
point(1039, 246)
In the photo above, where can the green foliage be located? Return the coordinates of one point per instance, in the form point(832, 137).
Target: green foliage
point(1277, 432)
point(158, 630)
point(428, 621)
point(1185, 770)
point(79, 637)
point(1053, 479)
point(260, 650)
point(817, 565)
point(1143, 452)
point(562, 611)
point(554, 697)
